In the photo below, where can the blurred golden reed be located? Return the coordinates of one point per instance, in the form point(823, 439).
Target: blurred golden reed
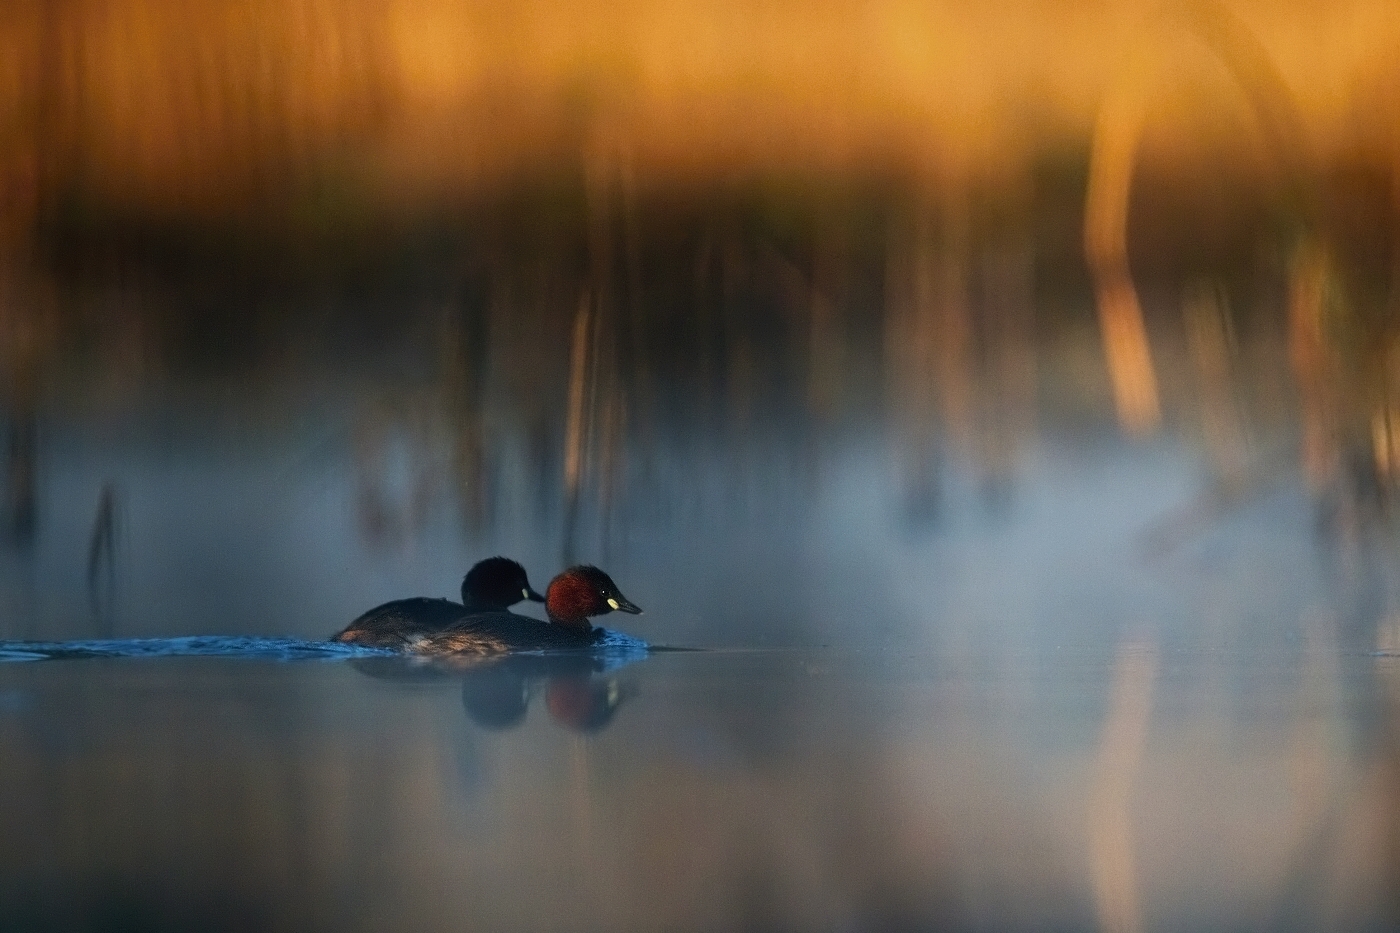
point(173, 105)
point(741, 196)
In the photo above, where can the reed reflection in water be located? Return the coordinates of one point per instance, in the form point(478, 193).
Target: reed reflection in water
point(621, 332)
point(800, 414)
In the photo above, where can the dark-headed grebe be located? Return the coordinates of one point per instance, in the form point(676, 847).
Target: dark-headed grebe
point(572, 598)
point(492, 586)
point(495, 584)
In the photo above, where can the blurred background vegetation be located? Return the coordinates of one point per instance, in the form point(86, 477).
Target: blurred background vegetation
point(616, 235)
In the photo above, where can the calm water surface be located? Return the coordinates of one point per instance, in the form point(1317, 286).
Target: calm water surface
point(1129, 787)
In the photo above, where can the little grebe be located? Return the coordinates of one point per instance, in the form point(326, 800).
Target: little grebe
point(575, 595)
point(492, 586)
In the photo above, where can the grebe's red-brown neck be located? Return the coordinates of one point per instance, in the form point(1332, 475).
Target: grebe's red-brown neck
point(581, 592)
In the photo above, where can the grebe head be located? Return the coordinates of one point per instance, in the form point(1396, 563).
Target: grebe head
point(584, 591)
point(495, 584)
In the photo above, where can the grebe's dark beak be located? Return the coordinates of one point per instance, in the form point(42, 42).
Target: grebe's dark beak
point(620, 603)
point(531, 595)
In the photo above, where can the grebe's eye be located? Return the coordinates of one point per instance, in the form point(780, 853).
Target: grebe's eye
point(612, 602)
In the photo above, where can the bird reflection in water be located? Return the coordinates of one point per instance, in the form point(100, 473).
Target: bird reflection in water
point(582, 692)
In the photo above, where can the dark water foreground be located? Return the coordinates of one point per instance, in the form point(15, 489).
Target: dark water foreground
point(1130, 787)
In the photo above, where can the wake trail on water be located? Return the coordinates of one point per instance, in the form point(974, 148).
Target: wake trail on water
point(243, 646)
point(193, 646)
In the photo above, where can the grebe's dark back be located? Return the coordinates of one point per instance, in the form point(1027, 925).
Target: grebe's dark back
point(491, 586)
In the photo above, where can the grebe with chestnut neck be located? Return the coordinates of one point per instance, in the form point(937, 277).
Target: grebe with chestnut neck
point(573, 597)
point(491, 586)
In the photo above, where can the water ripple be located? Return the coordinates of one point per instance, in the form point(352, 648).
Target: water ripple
point(612, 645)
point(228, 646)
